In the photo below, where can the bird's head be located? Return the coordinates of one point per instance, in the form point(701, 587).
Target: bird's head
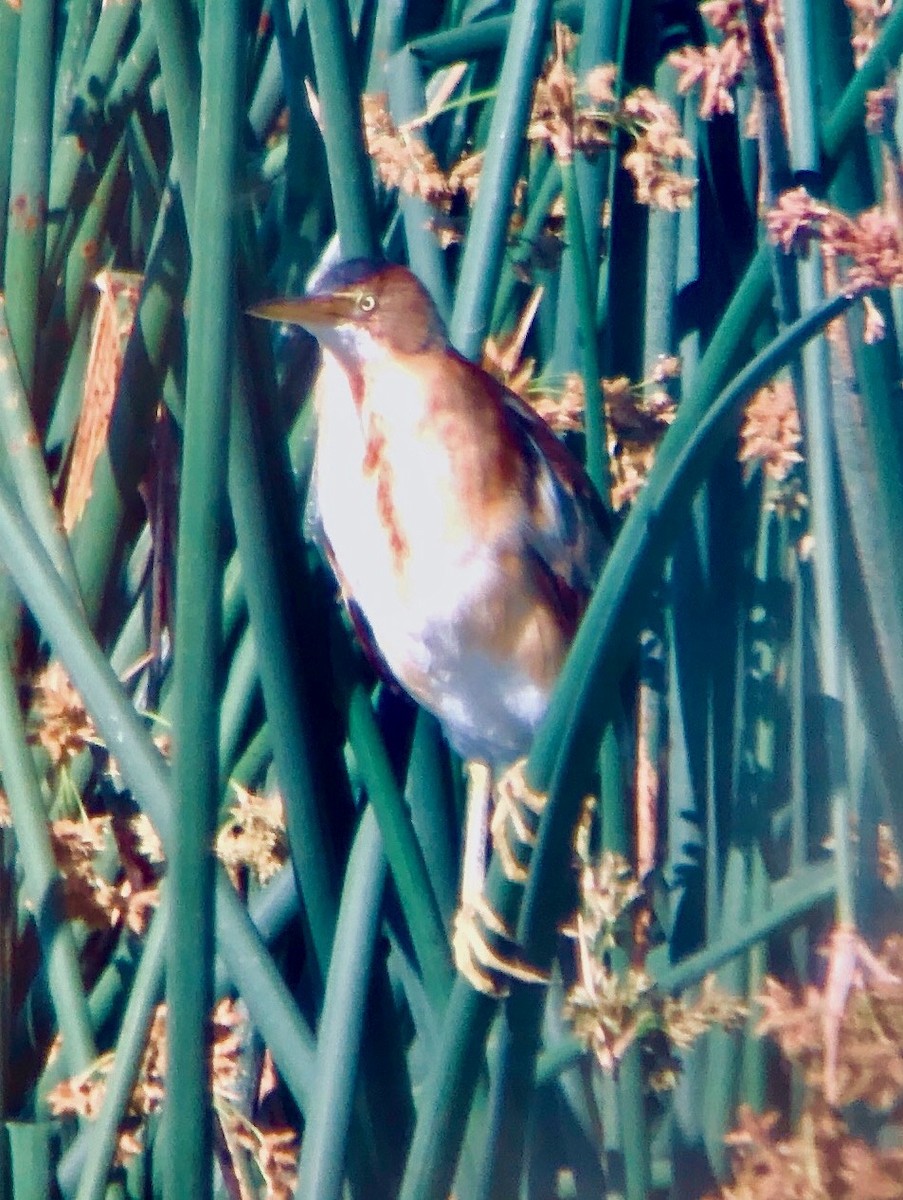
point(361, 309)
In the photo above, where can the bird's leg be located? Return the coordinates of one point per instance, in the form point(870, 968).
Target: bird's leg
point(477, 926)
point(516, 806)
point(476, 823)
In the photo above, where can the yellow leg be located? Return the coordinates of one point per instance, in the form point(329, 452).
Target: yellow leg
point(477, 926)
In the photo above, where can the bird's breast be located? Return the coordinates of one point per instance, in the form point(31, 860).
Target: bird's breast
point(428, 540)
point(408, 497)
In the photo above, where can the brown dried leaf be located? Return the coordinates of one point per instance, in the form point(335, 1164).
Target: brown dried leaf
point(117, 304)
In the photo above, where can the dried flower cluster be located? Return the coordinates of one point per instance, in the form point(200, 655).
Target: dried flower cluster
point(561, 408)
point(253, 839)
point(566, 117)
point(569, 118)
point(89, 894)
point(503, 357)
point(881, 108)
point(637, 414)
point(890, 869)
point(770, 434)
point(863, 994)
point(659, 145)
point(60, 724)
point(871, 242)
point(406, 162)
point(252, 842)
point(717, 68)
point(555, 117)
point(820, 1158)
point(868, 18)
point(273, 1149)
point(611, 1009)
point(59, 720)
point(82, 1095)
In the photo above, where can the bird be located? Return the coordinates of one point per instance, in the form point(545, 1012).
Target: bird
point(460, 529)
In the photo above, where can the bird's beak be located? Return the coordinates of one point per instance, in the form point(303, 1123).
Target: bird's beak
point(313, 312)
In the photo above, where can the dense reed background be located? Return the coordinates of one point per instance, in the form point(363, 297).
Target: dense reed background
point(699, 206)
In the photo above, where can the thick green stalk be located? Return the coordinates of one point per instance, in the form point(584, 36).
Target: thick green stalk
point(846, 117)
point(268, 91)
point(239, 693)
point(321, 1169)
point(42, 880)
point(81, 18)
point(338, 90)
point(251, 767)
point(90, 135)
point(405, 857)
point(31, 1144)
point(9, 47)
point(540, 206)
point(802, 80)
point(26, 462)
point(585, 302)
point(602, 41)
point(825, 501)
point(664, 243)
point(189, 982)
point(174, 22)
point(289, 718)
point(144, 995)
point(145, 773)
point(792, 901)
point(429, 791)
point(407, 99)
point(452, 44)
point(81, 263)
point(69, 394)
point(446, 1099)
point(483, 252)
point(28, 183)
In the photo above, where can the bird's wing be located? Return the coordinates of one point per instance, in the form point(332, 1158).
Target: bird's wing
point(570, 530)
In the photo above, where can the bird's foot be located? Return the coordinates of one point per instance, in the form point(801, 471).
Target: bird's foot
point(514, 821)
point(485, 951)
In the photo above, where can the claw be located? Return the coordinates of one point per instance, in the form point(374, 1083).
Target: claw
point(515, 799)
point(482, 966)
point(477, 927)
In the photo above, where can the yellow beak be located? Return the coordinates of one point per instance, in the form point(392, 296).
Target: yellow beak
point(310, 311)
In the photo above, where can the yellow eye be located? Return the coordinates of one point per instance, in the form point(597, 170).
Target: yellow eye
point(366, 302)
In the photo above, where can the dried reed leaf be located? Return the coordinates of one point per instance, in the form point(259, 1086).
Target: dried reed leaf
point(113, 320)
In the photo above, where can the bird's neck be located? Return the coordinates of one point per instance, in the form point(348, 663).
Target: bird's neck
point(427, 425)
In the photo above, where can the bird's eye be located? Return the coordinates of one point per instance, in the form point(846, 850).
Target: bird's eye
point(366, 302)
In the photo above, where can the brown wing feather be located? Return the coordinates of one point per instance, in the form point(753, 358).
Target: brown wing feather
point(571, 530)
